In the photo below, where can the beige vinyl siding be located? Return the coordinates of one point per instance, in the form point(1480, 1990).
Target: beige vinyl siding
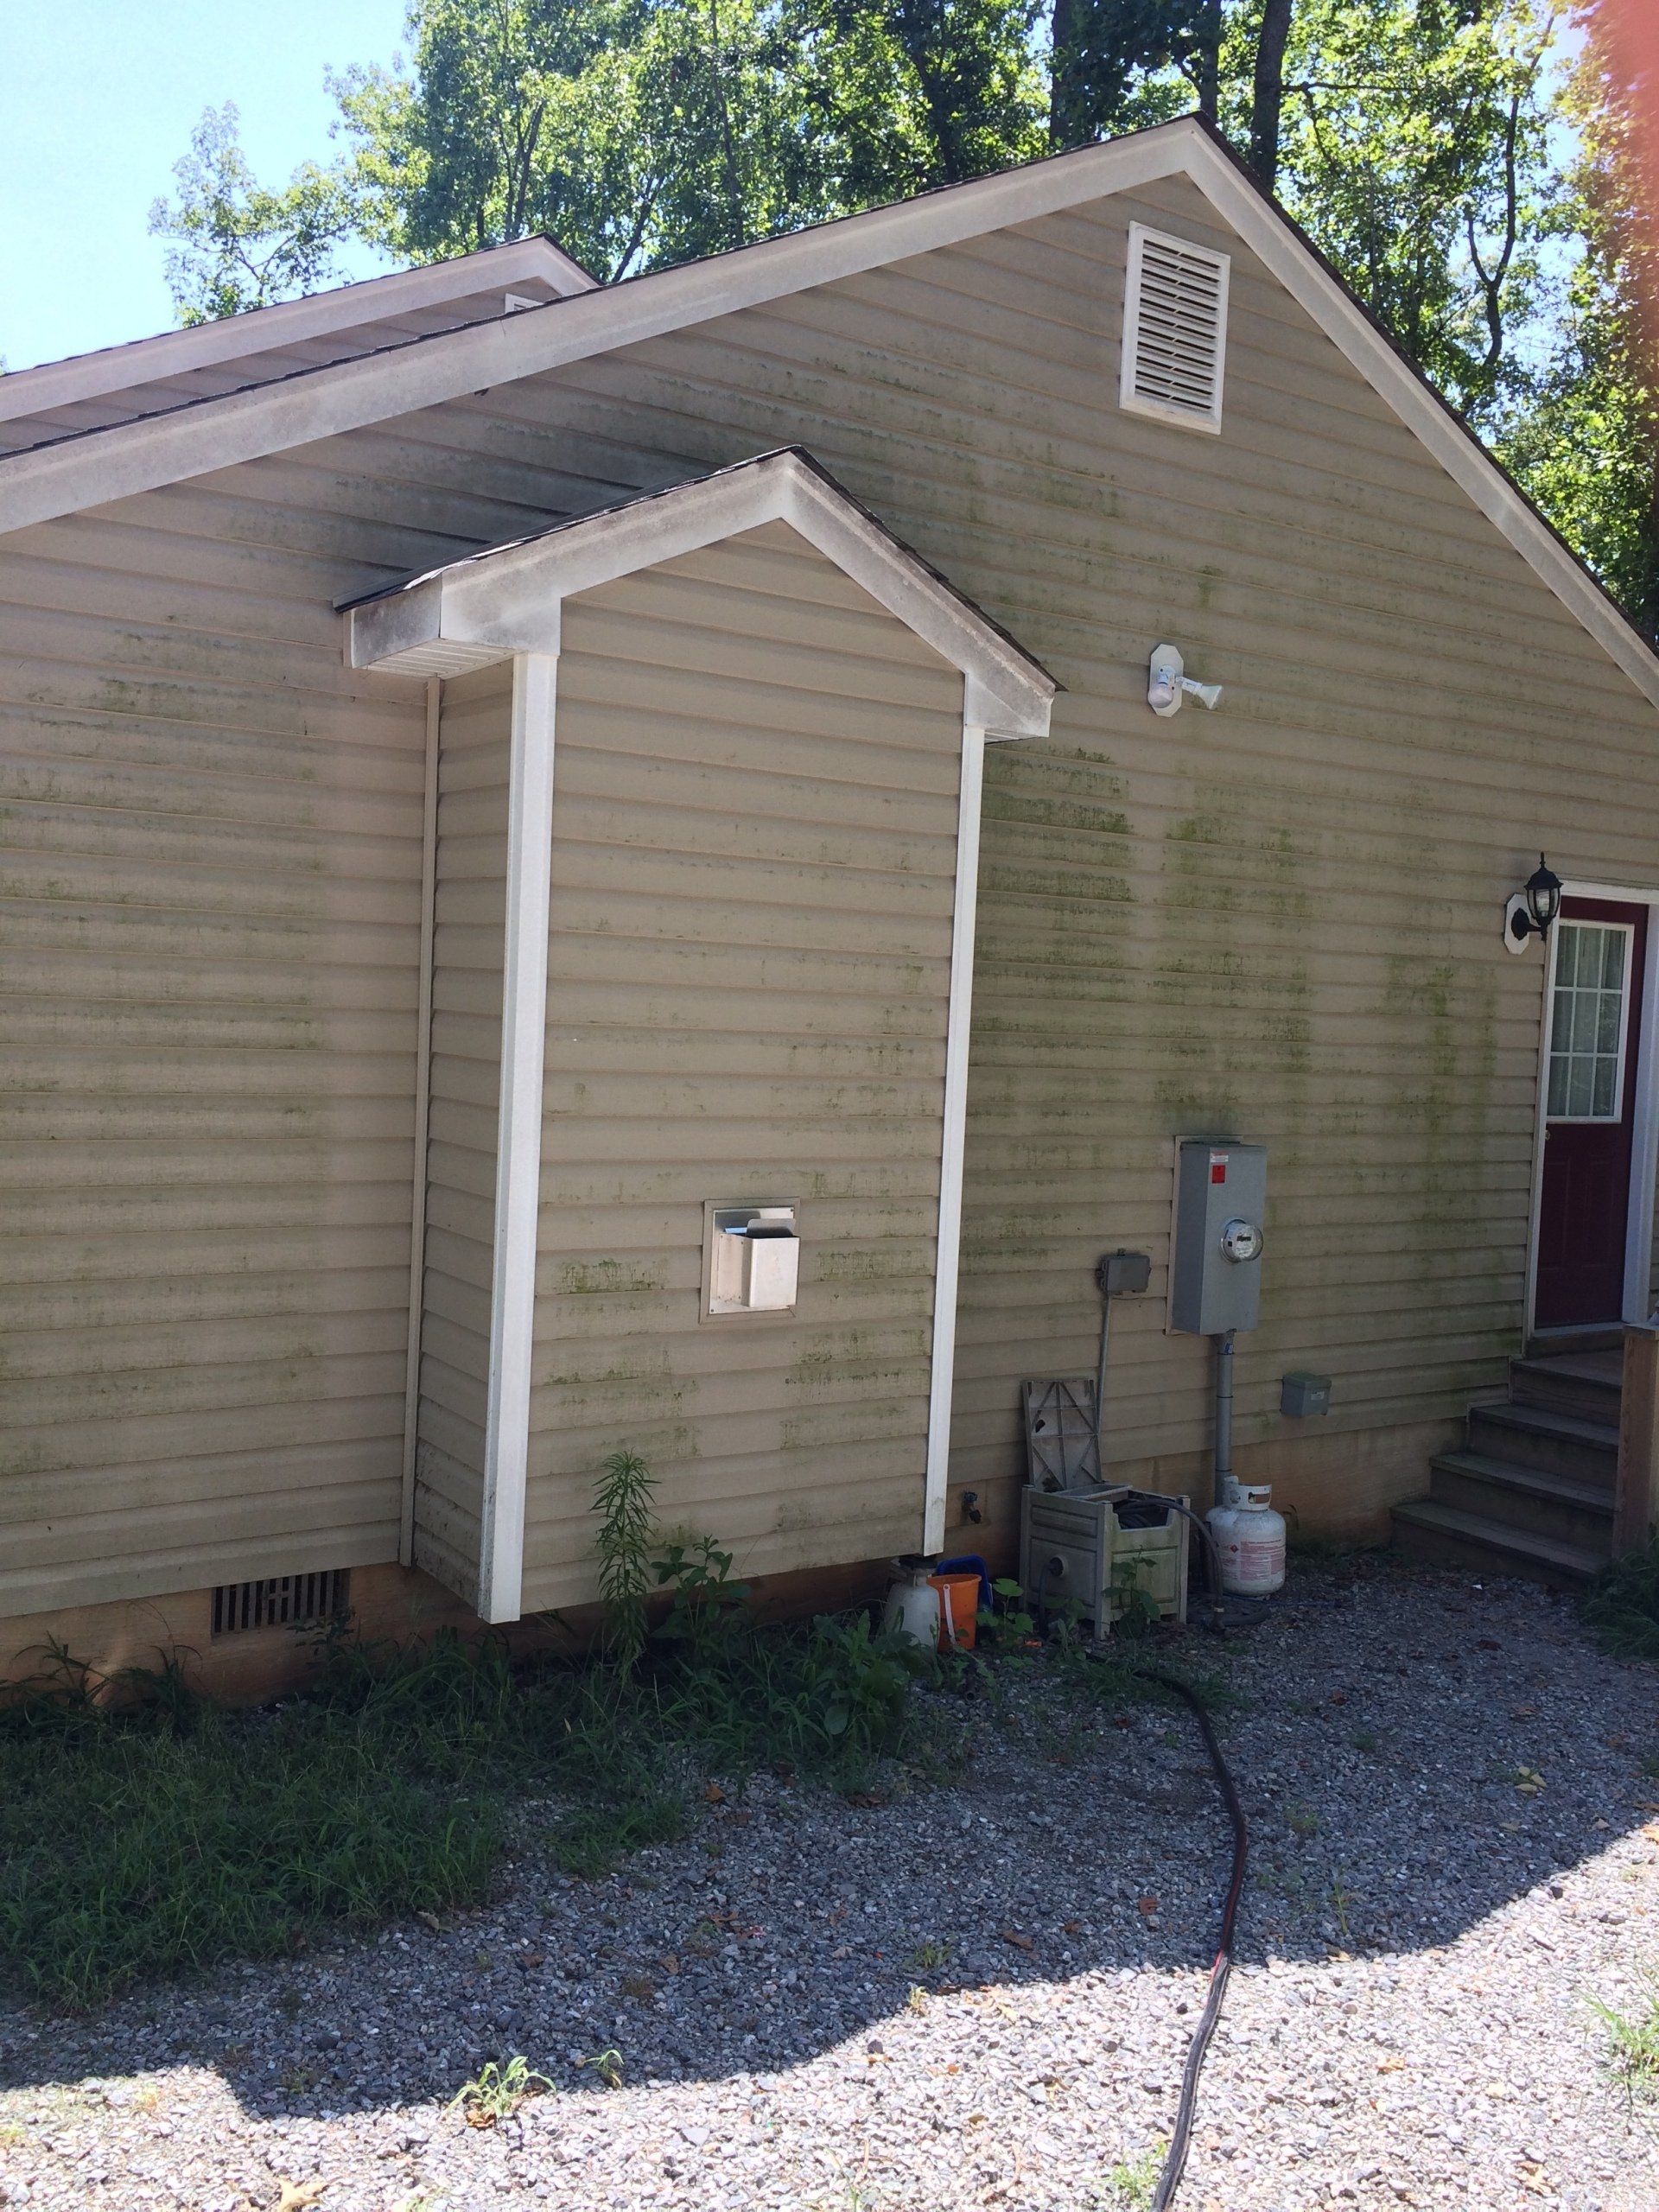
point(1278, 922)
point(468, 914)
point(755, 796)
point(209, 909)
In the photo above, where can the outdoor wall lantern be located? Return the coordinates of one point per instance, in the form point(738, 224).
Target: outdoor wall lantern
point(1529, 912)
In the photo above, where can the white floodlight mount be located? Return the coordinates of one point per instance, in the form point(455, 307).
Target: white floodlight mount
point(1168, 684)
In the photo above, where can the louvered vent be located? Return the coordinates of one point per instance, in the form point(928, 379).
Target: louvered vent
point(1174, 329)
point(280, 1601)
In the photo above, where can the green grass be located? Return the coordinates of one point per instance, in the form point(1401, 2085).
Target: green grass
point(1132, 2181)
point(152, 1833)
point(1633, 2041)
point(1622, 1606)
point(152, 1838)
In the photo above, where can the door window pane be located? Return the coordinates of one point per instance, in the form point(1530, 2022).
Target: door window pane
point(1586, 1028)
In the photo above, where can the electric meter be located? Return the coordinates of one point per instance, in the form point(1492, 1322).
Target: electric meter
point(1221, 1200)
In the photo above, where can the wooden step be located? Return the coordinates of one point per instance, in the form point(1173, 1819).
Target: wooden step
point(1589, 1387)
point(1548, 1343)
point(1448, 1537)
point(1530, 1499)
point(1533, 1436)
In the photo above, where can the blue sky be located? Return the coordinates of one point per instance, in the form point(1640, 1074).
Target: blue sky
point(98, 99)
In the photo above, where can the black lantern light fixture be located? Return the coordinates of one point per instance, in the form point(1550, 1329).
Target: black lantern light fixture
point(1530, 911)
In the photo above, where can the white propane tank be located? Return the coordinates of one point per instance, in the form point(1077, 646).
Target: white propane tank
point(913, 1603)
point(1250, 1541)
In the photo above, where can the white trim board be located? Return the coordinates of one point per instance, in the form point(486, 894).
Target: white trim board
point(519, 1137)
point(488, 606)
point(948, 1246)
point(100, 466)
point(113, 369)
point(1645, 1137)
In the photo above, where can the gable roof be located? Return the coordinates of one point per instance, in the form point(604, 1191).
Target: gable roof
point(151, 375)
point(90, 467)
point(487, 606)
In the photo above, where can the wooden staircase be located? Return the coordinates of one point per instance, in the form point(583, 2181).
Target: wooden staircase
point(1530, 1490)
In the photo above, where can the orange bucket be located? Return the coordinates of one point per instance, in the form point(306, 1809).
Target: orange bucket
point(958, 1610)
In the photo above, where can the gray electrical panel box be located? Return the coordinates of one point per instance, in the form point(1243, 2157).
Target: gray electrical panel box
point(1221, 1195)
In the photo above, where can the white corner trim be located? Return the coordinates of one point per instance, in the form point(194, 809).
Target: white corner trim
point(519, 1142)
point(496, 604)
point(290, 322)
point(422, 1115)
point(958, 1022)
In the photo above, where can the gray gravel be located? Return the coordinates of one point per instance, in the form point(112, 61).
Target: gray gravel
point(980, 1995)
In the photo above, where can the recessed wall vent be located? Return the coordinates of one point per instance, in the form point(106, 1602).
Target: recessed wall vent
point(280, 1601)
point(1174, 329)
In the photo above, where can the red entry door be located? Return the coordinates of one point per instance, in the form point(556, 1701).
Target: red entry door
point(1589, 1112)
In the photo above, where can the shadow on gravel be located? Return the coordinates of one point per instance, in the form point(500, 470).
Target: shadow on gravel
point(1413, 1751)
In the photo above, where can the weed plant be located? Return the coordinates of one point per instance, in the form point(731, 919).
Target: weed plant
point(1622, 1606)
point(144, 1831)
point(1633, 2041)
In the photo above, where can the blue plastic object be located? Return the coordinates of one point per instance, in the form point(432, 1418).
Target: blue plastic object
point(971, 1563)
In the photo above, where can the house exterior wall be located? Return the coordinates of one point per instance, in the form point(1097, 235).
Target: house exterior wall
point(756, 784)
point(209, 907)
point(1278, 922)
point(464, 1087)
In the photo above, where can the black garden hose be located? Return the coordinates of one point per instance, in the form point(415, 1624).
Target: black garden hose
point(1169, 2179)
point(1175, 2161)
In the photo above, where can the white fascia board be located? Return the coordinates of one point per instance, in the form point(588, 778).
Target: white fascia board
point(234, 337)
point(508, 602)
point(1463, 459)
point(128, 458)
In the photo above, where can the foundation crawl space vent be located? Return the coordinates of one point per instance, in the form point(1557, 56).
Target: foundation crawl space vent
point(280, 1601)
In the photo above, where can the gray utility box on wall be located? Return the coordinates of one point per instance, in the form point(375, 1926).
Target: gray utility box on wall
point(1215, 1276)
point(1074, 1549)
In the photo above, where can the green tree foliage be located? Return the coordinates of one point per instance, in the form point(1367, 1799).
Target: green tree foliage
point(1418, 141)
point(1413, 145)
point(1584, 436)
point(236, 246)
point(635, 131)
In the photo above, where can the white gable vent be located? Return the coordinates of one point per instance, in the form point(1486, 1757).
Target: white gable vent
point(1174, 329)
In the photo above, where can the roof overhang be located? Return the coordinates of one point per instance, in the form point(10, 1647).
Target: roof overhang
point(320, 316)
point(491, 605)
point(88, 468)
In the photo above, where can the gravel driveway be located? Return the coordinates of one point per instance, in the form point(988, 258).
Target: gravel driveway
point(980, 1995)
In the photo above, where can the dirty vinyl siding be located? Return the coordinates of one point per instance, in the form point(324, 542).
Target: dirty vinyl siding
point(755, 798)
point(1276, 923)
point(209, 898)
point(468, 912)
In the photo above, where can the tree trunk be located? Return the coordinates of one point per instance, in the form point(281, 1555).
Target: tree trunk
point(1210, 60)
point(1268, 91)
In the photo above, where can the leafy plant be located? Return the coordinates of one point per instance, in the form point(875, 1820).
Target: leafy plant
point(1622, 1606)
point(1132, 2181)
point(1135, 1611)
point(1633, 2038)
point(1006, 1625)
point(622, 1501)
point(608, 2064)
point(495, 2092)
